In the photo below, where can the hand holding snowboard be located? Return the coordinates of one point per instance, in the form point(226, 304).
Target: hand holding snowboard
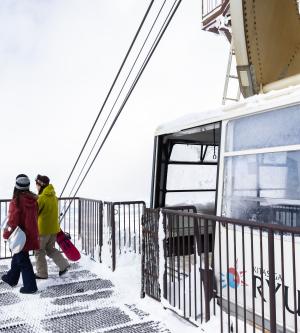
point(69, 249)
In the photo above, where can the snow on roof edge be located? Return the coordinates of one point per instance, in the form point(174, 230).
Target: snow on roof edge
point(252, 104)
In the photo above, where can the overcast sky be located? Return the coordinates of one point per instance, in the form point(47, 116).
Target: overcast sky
point(58, 59)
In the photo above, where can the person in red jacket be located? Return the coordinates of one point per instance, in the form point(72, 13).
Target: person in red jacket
point(23, 213)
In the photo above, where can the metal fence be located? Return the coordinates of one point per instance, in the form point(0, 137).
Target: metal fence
point(82, 220)
point(285, 214)
point(182, 286)
point(246, 272)
point(210, 6)
point(150, 254)
point(4, 250)
point(124, 220)
point(90, 227)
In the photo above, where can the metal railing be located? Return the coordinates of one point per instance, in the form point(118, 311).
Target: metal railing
point(4, 250)
point(83, 220)
point(150, 254)
point(182, 286)
point(124, 221)
point(150, 247)
point(90, 227)
point(247, 272)
point(69, 220)
point(211, 6)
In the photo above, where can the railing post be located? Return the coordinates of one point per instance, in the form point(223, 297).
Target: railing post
point(113, 235)
point(79, 217)
point(165, 282)
point(100, 229)
point(272, 281)
point(143, 256)
point(206, 281)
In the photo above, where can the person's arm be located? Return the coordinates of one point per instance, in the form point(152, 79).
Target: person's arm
point(41, 204)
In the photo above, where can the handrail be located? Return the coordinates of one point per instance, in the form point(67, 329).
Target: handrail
point(245, 223)
point(215, 12)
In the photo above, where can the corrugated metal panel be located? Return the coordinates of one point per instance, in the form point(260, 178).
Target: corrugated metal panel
point(271, 34)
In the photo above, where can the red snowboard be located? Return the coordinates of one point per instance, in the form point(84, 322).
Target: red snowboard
point(69, 249)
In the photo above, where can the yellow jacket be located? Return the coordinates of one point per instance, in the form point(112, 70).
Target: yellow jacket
point(48, 212)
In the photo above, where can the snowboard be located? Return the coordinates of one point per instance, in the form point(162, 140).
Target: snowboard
point(63, 239)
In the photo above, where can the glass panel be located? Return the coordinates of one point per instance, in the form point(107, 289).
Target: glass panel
point(203, 201)
point(212, 154)
point(191, 177)
point(189, 153)
point(192, 153)
point(263, 187)
point(268, 129)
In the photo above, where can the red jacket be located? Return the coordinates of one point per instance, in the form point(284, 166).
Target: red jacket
point(25, 215)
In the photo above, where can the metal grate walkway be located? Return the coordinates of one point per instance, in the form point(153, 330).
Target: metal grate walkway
point(79, 301)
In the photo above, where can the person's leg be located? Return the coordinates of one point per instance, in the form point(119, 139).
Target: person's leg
point(27, 274)
point(55, 255)
point(13, 275)
point(40, 258)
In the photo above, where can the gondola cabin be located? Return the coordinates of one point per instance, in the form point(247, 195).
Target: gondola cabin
point(238, 166)
point(240, 162)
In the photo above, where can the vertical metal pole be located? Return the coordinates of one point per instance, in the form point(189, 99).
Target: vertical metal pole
point(134, 231)
point(139, 214)
point(165, 282)
point(206, 271)
point(85, 226)
point(253, 286)
point(173, 233)
point(178, 260)
point(100, 229)
point(157, 253)
point(169, 267)
point(183, 264)
point(235, 285)
point(244, 285)
point(119, 226)
point(124, 226)
point(190, 266)
point(294, 283)
point(88, 226)
point(272, 281)
point(262, 279)
point(282, 283)
point(196, 220)
point(227, 278)
point(113, 237)
point(129, 231)
point(220, 277)
point(144, 218)
point(79, 218)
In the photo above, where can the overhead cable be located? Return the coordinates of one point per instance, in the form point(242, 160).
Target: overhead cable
point(116, 100)
point(149, 55)
point(156, 42)
point(108, 94)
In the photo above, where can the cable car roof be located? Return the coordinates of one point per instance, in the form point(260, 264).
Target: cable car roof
point(254, 104)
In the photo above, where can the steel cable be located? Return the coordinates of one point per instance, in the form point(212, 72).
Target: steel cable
point(108, 94)
point(116, 100)
point(150, 53)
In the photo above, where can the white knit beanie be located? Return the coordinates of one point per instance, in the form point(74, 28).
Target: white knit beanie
point(22, 182)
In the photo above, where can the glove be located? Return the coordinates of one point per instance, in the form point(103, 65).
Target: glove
point(7, 232)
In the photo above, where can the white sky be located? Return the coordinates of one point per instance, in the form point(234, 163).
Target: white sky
point(58, 59)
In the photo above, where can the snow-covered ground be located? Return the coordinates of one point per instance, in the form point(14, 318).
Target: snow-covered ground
point(88, 294)
point(127, 278)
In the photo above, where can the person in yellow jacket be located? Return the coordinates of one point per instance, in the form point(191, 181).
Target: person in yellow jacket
point(48, 225)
